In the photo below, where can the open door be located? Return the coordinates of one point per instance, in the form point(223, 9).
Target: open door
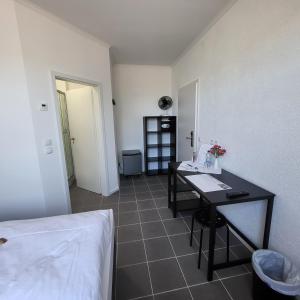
point(81, 108)
point(187, 104)
point(64, 119)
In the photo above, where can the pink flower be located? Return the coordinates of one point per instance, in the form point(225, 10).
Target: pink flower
point(217, 150)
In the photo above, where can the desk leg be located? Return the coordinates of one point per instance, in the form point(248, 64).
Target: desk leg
point(212, 241)
point(268, 223)
point(175, 194)
point(169, 185)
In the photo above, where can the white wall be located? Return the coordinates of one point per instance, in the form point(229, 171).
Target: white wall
point(50, 45)
point(136, 92)
point(249, 70)
point(21, 193)
point(33, 45)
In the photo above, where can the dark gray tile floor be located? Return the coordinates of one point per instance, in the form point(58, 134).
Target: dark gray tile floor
point(154, 259)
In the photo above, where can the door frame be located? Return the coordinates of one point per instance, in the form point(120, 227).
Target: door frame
point(197, 113)
point(100, 130)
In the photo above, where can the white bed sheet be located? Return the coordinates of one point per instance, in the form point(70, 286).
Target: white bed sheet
point(63, 257)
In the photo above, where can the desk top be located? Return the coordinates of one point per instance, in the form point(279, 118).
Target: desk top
point(237, 184)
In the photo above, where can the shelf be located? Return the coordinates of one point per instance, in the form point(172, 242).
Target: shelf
point(164, 171)
point(162, 141)
point(160, 131)
point(161, 158)
point(152, 172)
point(157, 172)
point(160, 145)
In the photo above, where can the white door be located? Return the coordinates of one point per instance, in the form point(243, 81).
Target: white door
point(66, 135)
point(187, 99)
point(84, 138)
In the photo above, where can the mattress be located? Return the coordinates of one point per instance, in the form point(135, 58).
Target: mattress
point(63, 257)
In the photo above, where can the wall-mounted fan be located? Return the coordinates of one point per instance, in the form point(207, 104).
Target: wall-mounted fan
point(165, 102)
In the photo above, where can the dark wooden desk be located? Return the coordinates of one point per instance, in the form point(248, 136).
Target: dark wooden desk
point(215, 199)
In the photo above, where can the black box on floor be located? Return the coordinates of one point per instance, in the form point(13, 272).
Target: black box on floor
point(132, 162)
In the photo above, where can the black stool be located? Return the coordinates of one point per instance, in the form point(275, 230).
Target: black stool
point(202, 216)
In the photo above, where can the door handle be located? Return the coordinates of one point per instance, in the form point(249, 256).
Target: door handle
point(191, 138)
point(73, 140)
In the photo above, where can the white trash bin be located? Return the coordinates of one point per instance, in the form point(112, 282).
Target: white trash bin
point(274, 276)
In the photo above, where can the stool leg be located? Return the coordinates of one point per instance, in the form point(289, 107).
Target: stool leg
point(192, 231)
point(200, 248)
point(227, 244)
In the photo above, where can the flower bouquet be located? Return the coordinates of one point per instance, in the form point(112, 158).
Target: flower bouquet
point(217, 151)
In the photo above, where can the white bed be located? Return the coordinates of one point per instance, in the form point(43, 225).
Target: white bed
point(65, 257)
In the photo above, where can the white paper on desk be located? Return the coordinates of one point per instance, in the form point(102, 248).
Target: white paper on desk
point(187, 166)
point(207, 183)
point(209, 170)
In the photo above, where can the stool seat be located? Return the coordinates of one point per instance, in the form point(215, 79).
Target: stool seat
point(202, 216)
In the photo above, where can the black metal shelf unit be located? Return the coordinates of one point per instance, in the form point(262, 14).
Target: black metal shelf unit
point(159, 143)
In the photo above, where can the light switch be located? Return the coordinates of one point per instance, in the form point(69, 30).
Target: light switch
point(43, 106)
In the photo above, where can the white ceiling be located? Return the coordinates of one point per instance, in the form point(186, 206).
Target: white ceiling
point(140, 31)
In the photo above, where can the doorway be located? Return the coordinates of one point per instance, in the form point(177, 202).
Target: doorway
point(187, 119)
point(78, 103)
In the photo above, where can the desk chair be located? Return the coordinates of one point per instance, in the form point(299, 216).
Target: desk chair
point(202, 216)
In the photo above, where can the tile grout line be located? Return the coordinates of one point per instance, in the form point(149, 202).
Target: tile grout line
point(219, 279)
point(117, 248)
point(183, 255)
point(225, 288)
point(216, 249)
point(134, 201)
point(232, 252)
point(191, 286)
point(176, 257)
point(156, 260)
point(147, 222)
point(202, 252)
point(130, 194)
point(160, 236)
point(146, 256)
point(173, 249)
point(189, 254)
